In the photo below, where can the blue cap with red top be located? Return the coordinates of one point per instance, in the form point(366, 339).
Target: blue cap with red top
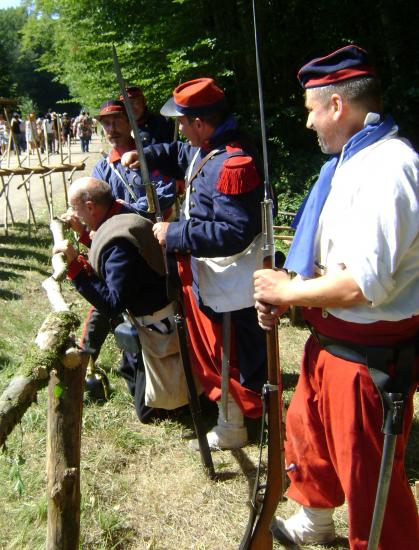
point(111, 107)
point(195, 97)
point(343, 64)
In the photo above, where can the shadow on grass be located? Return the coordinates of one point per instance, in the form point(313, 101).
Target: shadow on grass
point(24, 267)
point(8, 275)
point(18, 234)
point(4, 360)
point(9, 295)
point(24, 254)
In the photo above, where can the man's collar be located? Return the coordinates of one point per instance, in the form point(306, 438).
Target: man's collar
point(117, 152)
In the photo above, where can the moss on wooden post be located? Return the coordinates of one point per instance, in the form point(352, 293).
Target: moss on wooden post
point(54, 338)
point(65, 403)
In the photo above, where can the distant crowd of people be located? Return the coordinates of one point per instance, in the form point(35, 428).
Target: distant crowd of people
point(46, 131)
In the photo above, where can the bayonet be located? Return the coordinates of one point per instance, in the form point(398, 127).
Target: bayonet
point(153, 203)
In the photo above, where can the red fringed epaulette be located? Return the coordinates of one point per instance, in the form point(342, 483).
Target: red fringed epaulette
point(238, 174)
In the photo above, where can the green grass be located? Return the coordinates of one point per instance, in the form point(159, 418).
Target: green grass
point(141, 487)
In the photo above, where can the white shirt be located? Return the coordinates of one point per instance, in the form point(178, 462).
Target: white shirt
point(370, 224)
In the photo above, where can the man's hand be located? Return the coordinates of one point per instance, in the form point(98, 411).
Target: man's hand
point(268, 315)
point(73, 221)
point(160, 232)
point(335, 289)
point(121, 201)
point(130, 160)
point(67, 249)
point(268, 284)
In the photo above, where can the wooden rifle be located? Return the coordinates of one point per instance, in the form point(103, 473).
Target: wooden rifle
point(154, 208)
point(265, 498)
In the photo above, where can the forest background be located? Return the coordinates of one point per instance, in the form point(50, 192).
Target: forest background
point(57, 54)
point(141, 488)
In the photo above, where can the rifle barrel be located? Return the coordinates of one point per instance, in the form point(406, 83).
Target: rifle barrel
point(258, 535)
point(153, 203)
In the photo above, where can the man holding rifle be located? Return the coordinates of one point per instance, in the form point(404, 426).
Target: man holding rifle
point(126, 184)
point(356, 255)
point(217, 242)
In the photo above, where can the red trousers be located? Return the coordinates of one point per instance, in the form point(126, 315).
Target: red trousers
point(334, 446)
point(206, 352)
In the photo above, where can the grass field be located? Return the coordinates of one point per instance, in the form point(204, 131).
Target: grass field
point(141, 487)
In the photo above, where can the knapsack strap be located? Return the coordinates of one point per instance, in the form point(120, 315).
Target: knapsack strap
point(201, 164)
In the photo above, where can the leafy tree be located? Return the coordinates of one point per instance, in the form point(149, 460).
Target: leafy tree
point(19, 78)
point(160, 43)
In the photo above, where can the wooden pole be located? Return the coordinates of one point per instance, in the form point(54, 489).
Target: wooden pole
point(46, 139)
point(26, 185)
point(59, 127)
point(43, 169)
point(69, 146)
point(53, 341)
point(65, 404)
point(35, 137)
point(9, 145)
point(7, 207)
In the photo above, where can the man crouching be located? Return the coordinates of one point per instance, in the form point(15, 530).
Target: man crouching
point(125, 272)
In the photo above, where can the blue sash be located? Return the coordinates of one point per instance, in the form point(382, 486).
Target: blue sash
point(300, 257)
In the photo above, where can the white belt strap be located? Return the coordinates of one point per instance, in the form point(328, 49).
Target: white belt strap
point(156, 317)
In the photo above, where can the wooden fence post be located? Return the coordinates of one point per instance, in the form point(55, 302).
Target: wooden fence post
point(65, 404)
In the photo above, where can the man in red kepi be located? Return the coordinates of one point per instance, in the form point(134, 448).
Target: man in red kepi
point(356, 255)
point(154, 128)
point(217, 242)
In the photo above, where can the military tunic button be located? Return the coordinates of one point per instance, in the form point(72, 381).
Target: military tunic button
point(191, 204)
point(193, 189)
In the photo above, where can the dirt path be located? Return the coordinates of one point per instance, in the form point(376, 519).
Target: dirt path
point(17, 197)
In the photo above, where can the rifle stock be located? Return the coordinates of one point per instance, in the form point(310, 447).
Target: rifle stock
point(265, 498)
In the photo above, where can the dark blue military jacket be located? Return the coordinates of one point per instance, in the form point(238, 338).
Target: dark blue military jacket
point(225, 197)
point(165, 187)
point(155, 128)
point(125, 279)
point(225, 216)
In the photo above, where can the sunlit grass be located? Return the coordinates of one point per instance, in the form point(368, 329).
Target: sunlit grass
point(141, 486)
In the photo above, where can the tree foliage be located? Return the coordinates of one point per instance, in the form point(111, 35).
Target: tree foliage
point(20, 78)
point(162, 42)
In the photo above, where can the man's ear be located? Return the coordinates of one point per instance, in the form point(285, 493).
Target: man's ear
point(90, 205)
point(337, 105)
